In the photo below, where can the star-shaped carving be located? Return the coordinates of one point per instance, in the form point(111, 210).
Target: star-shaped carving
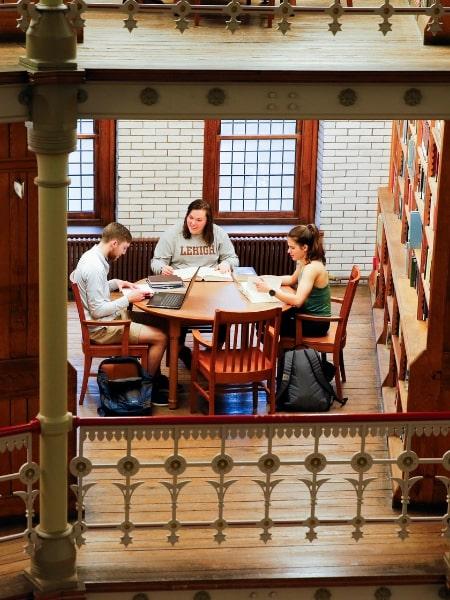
point(130, 23)
point(334, 27)
point(232, 24)
point(385, 27)
point(283, 26)
point(181, 24)
point(311, 535)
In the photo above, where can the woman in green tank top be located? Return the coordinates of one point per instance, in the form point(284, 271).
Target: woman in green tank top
point(310, 278)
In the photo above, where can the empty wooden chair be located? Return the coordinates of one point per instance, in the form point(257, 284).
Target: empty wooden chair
point(334, 341)
point(248, 355)
point(92, 350)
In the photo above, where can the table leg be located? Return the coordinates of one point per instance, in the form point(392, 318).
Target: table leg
point(174, 335)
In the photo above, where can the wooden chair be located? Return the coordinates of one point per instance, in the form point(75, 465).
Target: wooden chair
point(92, 350)
point(248, 355)
point(334, 341)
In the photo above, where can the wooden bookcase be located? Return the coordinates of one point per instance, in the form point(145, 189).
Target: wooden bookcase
point(410, 286)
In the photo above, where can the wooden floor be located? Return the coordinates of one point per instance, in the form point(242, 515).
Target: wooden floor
point(380, 557)
point(362, 387)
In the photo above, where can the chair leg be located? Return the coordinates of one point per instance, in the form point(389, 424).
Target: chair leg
point(341, 364)
point(87, 370)
point(212, 397)
point(272, 395)
point(337, 376)
point(255, 397)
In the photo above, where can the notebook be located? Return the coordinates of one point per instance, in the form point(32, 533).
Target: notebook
point(169, 299)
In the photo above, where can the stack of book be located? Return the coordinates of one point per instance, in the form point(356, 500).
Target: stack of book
point(164, 282)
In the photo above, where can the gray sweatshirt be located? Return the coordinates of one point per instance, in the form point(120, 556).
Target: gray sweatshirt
point(91, 275)
point(174, 250)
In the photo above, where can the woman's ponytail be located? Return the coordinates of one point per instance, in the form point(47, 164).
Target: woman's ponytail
point(309, 235)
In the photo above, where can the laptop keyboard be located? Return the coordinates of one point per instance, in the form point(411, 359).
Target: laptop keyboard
point(169, 300)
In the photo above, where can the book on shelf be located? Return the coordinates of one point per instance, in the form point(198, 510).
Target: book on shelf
point(427, 267)
point(415, 229)
point(164, 282)
point(413, 272)
point(405, 130)
point(204, 274)
point(425, 136)
point(244, 273)
point(248, 288)
point(411, 155)
point(388, 342)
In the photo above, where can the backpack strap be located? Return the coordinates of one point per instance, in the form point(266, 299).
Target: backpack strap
point(287, 370)
point(316, 367)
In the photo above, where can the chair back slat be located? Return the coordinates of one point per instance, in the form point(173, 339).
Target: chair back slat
point(249, 339)
point(347, 301)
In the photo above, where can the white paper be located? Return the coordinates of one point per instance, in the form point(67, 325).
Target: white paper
point(142, 286)
point(203, 273)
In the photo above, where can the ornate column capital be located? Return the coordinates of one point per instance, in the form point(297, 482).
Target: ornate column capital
point(53, 119)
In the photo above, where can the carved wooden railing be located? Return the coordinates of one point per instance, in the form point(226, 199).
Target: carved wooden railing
point(19, 439)
point(168, 454)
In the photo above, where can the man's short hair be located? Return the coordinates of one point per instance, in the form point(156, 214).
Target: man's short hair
point(116, 231)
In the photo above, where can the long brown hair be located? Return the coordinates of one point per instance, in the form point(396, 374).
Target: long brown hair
point(208, 231)
point(309, 235)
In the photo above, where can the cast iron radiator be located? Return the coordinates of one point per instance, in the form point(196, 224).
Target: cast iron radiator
point(265, 253)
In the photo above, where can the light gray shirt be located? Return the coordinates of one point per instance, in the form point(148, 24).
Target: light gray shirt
point(174, 250)
point(91, 275)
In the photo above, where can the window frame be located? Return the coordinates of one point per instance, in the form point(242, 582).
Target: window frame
point(304, 179)
point(104, 178)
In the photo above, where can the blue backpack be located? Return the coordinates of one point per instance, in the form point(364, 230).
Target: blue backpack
point(125, 387)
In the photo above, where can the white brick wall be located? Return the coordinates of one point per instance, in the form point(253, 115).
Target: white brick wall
point(353, 162)
point(160, 171)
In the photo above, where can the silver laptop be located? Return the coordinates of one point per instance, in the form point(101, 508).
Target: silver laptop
point(171, 299)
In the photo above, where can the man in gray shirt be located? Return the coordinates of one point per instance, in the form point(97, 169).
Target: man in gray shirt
point(91, 275)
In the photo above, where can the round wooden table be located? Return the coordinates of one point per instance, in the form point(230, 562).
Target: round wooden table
point(199, 307)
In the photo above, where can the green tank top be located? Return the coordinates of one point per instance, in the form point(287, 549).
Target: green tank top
point(318, 302)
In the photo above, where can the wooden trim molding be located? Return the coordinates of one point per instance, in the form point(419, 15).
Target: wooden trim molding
point(105, 177)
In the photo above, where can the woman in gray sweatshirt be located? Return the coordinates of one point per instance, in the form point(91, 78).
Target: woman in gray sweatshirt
point(197, 242)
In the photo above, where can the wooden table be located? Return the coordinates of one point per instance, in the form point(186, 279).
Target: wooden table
point(199, 307)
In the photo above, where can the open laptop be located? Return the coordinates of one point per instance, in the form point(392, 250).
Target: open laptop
point(171, 299)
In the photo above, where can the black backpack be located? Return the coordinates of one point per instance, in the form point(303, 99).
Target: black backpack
point(125, 387)
point(303, 382)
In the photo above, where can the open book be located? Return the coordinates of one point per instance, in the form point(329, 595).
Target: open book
point(248, 288)
point(204, 274)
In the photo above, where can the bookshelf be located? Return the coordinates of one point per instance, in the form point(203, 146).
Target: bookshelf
point(410, 287)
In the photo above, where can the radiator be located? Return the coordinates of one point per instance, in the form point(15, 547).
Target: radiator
point(266, 254)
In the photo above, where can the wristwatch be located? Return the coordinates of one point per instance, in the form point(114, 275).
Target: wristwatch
point(272, 292)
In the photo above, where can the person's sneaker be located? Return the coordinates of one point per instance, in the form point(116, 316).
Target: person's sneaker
point(161, 382)
point(160, 398)
point(185, 355)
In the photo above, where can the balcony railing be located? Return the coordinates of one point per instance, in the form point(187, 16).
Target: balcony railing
point(13, 440)
point(332, 465)
point(284, 13)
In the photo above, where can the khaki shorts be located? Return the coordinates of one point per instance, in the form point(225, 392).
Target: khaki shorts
point(113, 335)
